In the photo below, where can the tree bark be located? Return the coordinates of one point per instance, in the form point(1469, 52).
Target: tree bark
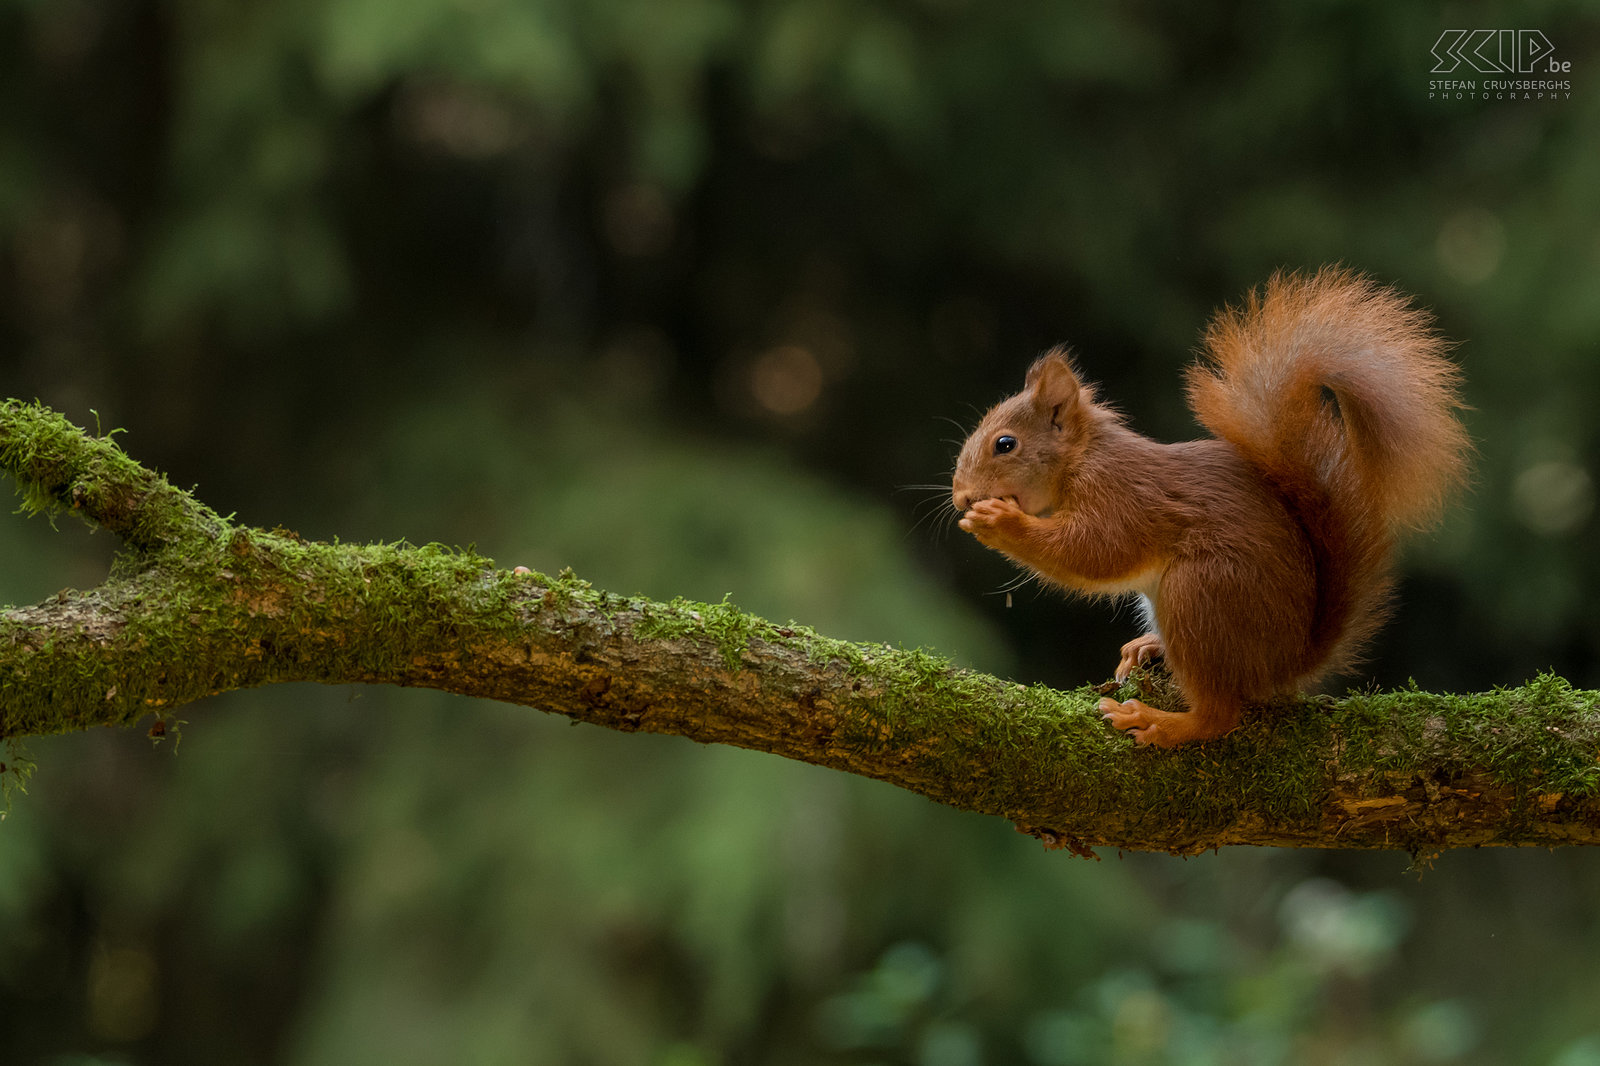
point(197, 605)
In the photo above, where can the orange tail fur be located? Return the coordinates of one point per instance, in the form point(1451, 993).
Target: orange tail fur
point(1340, 393)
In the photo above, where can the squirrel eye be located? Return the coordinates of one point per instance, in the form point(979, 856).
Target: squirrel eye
point(1005, 443)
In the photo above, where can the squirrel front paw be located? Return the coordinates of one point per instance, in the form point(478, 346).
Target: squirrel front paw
point(995, 522)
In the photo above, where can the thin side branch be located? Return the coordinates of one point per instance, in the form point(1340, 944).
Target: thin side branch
point(197, 605)
point(58, 467)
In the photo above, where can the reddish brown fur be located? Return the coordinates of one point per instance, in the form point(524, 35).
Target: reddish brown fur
point(1264, 552)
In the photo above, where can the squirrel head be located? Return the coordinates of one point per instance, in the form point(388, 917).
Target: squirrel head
point(1026, 443)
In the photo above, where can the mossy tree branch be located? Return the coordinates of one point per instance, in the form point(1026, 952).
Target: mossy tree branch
point(196, 605)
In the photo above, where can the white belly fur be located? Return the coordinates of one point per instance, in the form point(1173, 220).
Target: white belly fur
point(1145, 586)
point(1146, 583)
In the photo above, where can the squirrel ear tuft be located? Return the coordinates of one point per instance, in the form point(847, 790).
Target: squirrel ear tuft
point(1054, 384)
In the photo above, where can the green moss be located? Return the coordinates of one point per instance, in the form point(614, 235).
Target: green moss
point(1278, 767)
point(16, 769)
point(166, 728)
point(1535, 739)
point(729, 628)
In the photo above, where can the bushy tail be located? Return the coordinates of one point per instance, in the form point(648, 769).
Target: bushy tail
point(1339, 391)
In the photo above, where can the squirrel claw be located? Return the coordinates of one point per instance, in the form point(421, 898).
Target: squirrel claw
point(1138, 720)
point(1166, 729)
point(1137, 652)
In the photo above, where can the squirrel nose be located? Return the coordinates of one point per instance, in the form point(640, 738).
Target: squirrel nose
point(963, 501)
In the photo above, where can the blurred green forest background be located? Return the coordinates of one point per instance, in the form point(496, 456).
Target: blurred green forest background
point(685, 294)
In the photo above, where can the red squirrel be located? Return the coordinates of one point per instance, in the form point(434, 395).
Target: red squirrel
point(1261, 555)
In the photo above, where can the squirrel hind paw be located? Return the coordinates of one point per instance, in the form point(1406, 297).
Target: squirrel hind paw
point(1133, 717)
point(1137, 652)
point(1150, 725)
